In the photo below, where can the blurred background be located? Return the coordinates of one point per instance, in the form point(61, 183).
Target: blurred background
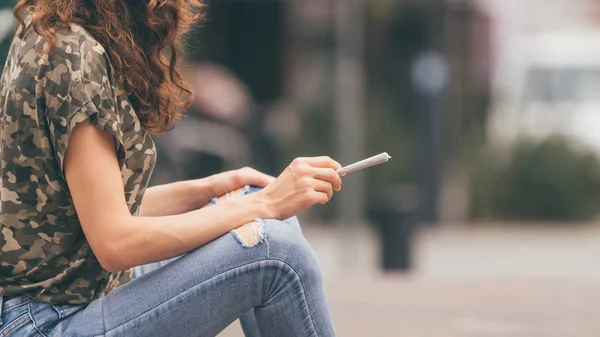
point(485, 221)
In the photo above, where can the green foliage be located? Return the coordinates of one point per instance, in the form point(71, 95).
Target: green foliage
point(543, 181)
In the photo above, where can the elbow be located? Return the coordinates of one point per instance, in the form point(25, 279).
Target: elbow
point(110, 258)
point(111, 265)
point(111, 245)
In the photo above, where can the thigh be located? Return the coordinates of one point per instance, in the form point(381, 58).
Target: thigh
point(139, 271)
point(198, 294)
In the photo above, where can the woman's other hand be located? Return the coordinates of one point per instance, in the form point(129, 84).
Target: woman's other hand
point(225, 182)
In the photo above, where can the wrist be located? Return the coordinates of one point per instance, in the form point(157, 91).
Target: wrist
point(221, 183)
point(209, 186)
point(199, 192)
point(262, 205)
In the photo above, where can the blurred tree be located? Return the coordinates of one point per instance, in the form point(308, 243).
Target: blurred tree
point(550, 180)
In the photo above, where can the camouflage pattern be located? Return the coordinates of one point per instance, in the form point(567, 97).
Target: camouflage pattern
point(43, 251)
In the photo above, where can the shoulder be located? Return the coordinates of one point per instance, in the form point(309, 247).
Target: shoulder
point(91, 52)
point(76, 68)
point(73, 75)
point(79, 51)
point(75, 54)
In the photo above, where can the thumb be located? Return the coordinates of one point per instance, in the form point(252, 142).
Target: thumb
point(259, 179)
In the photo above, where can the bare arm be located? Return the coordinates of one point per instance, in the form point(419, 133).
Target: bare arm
point(121, 240)
point(190, 195)
point(176, 198)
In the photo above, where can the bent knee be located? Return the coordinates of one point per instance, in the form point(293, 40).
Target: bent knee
point(284, 238)
point(285, 243)
point(288, 244)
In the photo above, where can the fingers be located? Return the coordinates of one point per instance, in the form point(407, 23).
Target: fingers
point(322, 169)
point(250, 176)
point(330, 176)
point(322, 186)
point(323, 162)
point(321, 198)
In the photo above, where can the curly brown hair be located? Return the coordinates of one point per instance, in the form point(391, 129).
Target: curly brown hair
point(143, 40)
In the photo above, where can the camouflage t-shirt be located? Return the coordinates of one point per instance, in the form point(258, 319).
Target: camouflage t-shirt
point(43, 251)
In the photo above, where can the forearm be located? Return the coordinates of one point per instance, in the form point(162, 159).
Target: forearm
point(145, 240)
point(186, 196)
point(176, 198)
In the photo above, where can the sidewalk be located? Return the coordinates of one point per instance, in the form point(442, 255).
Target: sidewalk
point(492, 281)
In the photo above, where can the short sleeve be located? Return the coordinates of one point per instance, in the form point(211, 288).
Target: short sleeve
point(78, 88)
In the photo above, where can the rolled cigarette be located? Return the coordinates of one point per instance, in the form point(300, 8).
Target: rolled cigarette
point(375, 160)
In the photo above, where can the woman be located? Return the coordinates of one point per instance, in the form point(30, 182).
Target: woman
point(85, 83)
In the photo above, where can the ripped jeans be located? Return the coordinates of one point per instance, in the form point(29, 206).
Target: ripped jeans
point(273, 285)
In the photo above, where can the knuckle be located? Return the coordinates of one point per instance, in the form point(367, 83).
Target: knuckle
point(305, 182)
point(305, 169)
point(299, 161)
point(298, 169)
point(301, 169)
point(239, 175)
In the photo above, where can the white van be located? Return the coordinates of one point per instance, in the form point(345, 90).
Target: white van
point(554, 89)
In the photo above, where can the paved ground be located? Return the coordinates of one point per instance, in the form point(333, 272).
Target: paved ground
point(495, 281)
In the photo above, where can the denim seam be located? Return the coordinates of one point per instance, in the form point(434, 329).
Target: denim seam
point(57, 311)
point(33, 321)
point(16, 306)
point(14, 324)
point(174, 298)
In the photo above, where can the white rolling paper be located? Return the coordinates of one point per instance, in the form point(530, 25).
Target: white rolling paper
point(375, 160)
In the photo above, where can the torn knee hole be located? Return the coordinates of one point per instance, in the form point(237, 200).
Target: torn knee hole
point(250, 234)
point(232, 194)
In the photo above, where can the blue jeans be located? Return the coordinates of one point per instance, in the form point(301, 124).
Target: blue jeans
point(275, 286)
